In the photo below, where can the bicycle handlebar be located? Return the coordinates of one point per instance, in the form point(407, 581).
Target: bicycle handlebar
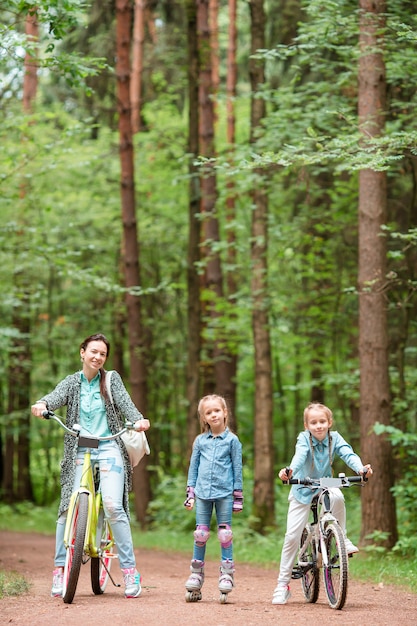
point(326, 483)
point(76, 429)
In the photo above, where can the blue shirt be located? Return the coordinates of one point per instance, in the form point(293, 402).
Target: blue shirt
point(302, 461)
point(216, 465)
point(93, 416)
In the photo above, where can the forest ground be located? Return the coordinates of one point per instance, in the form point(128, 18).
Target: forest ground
point(162, 601)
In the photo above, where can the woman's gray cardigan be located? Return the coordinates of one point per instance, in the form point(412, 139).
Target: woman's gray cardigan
point(68, 393)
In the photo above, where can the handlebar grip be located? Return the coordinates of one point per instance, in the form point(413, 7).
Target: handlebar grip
point(47, 414)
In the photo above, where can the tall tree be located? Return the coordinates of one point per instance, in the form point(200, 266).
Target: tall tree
point(193, 256)
point(137, 350)
point(230, 384)
point(378, 505)
point(263, 490)
point(18, 485)
point(214, 361)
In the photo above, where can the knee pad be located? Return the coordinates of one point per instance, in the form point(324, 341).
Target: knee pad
point(201, 535)
point(225, 535)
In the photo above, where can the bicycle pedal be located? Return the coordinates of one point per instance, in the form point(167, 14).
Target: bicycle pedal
point(109, 555)
point(296, 574)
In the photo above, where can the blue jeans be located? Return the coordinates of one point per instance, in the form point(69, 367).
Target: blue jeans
point(109, 459)
point(204, 510)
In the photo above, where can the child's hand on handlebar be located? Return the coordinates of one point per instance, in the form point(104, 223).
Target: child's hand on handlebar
point(366, 471)
point(285, 473)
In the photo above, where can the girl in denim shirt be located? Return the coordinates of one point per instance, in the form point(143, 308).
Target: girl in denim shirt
point(314, 453)
point(214, 481)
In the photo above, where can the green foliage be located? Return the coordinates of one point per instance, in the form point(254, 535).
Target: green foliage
point(61, 230)
point(405, 488)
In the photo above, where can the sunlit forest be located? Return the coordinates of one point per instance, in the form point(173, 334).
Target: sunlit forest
point(228, 191)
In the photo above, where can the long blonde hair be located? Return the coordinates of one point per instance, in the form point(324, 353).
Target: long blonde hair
point(203, 424)
point(328, 413)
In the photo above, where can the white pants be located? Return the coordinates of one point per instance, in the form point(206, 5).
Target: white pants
point(297, 518)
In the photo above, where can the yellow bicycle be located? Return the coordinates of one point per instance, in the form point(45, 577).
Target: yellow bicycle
point(88, 534)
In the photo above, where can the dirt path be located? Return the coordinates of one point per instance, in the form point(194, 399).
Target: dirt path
point(162, 602)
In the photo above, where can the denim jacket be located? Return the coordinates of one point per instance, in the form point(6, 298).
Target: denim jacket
point(216, 465)
point(302, 461)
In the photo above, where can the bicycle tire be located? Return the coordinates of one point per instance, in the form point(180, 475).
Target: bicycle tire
point(336, 572)
point(310, 580)
point(100, 565)
point(75, 549)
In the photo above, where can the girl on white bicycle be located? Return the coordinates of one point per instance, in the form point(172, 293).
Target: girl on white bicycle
point(84, 394)
point(314, 453)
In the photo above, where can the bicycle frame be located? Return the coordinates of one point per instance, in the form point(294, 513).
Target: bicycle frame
point(94, 501)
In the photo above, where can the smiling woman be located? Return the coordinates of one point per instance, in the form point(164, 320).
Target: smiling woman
point(88, 404)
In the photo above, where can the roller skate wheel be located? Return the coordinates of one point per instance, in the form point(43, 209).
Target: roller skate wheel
point(223, 598)
point(193, 596)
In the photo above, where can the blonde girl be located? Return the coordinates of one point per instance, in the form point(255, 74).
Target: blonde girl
point(214, 482)
point(314, 453)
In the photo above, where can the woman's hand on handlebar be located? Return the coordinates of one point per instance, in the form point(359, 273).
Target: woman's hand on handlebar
point(38, 408)
point(285, 473)
point(142, 424)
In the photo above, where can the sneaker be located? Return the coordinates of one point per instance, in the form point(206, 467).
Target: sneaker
point(132, 580)
point(281, 594)
point(57, 582)
point(350, 547)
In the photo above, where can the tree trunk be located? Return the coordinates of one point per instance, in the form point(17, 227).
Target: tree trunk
point(137, 63)
point(193, 278)
point(131, 266)
point(214, 46)
point(263, 493)
point(214, 361)
point(378, 505)
point(231, 276)
point(30, 80)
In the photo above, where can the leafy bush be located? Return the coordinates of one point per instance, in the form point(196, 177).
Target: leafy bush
point(405, 489)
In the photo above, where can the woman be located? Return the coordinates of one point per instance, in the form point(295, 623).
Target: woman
point(84, 395)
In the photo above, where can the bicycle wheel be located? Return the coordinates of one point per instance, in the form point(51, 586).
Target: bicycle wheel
point(100, 566)
point(75, 549)
point(335, 574)
point(310, 579)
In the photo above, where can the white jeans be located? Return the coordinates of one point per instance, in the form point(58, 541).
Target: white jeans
point(297, 518)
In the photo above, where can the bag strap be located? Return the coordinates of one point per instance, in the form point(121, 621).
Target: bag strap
point(108, 389)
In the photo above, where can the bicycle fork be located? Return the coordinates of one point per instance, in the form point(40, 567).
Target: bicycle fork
point(326, 519)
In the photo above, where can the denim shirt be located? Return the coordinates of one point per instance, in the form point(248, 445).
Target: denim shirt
point(302, 461)
point(216, 465)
